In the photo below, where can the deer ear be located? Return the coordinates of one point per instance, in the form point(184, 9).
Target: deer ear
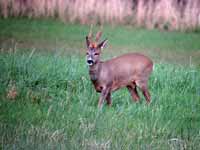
point(102, 44)
point(87, 41)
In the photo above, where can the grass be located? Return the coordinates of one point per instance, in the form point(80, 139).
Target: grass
point(68, 35)
point(166, 15)
point(47, 100)
point(50, 35)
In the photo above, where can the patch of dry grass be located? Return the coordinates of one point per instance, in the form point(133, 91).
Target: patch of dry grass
point(171, 15)
point(168, 15)
point(68, 10)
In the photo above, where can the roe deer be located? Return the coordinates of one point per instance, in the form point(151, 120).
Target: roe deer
point(130, 70)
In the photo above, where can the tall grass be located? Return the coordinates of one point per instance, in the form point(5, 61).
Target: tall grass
point(48, 102)
point(164, 14)
point(170, 14)
point(78, 10)
point(54, 106)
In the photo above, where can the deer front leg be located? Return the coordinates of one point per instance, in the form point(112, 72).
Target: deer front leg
point(109, 100)
point(104, 94)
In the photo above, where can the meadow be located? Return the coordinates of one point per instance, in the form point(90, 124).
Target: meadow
point(48, 102)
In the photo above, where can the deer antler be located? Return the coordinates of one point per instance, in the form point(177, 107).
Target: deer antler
point(98, 35)
point(90, 35)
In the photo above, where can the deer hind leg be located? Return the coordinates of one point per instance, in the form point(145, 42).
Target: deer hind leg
point(108, 99)
point(133, 91)
point(143, 86)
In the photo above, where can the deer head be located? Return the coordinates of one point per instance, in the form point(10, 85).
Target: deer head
point(94, 48)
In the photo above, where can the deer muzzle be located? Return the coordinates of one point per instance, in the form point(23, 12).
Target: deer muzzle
point(90, 62)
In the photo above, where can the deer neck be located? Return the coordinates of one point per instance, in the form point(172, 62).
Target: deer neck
point(94, 71)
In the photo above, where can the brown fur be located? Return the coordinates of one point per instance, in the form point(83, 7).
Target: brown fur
point(130, 70)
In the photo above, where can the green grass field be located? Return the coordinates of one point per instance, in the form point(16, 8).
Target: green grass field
point(48, 102)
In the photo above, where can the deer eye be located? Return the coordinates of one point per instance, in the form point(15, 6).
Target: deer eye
point(87, 53)
point(96, 54)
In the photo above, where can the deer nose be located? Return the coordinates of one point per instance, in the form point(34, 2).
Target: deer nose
point(90, 62)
